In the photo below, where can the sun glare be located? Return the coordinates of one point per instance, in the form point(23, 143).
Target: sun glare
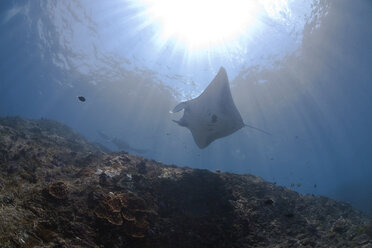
point(202, 23)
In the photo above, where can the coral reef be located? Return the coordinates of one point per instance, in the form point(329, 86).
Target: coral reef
point(59, 190)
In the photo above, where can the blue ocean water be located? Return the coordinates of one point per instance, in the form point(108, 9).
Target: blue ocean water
point(303, 74)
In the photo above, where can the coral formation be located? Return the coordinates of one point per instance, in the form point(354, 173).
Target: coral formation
point(59, 190)
point(109, 209)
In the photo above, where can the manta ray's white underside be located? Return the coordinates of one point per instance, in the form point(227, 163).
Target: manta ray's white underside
point(213, 114)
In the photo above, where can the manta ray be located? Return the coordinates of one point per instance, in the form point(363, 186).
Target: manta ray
point(213, 114)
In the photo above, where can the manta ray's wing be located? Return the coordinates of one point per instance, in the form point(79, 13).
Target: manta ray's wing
point(213, 114)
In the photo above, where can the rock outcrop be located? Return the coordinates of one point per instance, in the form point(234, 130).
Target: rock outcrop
point(59, 190)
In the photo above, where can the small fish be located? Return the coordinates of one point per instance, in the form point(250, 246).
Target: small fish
point(81, 98)
point(315, 185)
point(268, 202)
point(299, 185)
point(292, 185)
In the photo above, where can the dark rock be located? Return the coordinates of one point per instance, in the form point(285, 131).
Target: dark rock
point(289, 215)
point(141, 167)
point(362, 239)
point(104, 180)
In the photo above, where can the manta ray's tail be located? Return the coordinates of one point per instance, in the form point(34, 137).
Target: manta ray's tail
point(257, 129)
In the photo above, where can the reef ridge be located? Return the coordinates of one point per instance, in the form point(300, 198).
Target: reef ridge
point(59, 190)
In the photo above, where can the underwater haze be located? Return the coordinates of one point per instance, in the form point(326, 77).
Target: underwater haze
point(300, 70)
